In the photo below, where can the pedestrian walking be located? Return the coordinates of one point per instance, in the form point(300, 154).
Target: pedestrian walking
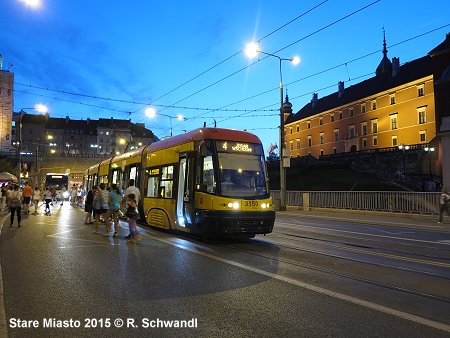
point(101, 205)
point(4, 190)
point(89, 205)
point(444, 201)
point(137, 194)
point(15, 204)
point(132, 214)
point(114, 207)
point(37, 197)
point(26, 194)
point(48, 200)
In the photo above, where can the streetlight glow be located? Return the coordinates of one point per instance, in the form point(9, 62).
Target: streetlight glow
point(32, 3)
point(41, 108)
point(295, 60)
point(252, 49)
point(150, 112)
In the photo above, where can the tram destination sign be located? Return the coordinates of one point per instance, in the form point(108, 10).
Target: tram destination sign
point(238, 147)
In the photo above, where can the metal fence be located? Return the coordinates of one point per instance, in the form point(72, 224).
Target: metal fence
point(386, 201)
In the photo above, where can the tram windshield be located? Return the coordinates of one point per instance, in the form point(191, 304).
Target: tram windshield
point(242, 170)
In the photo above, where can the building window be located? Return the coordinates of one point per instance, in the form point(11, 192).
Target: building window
point(322, 138)
point(392, 99)
point(364, 128)
point(334, 150)
point(308, 124)
point(420, 91)
point(422, 115)
point(291, 145)
point(375, 141)
point(393, 121)
point(374, 104)
point(363, 108)
point(364, 143)
point(351, 111)
point(309, 141)
point(298, 128)
point(336, 134)
point(332, 117)
point(394, 141)
point(298, 143)
point(341, 115)
point(422, 136)
point(374, 126)
point(321, 121)
point(351, 132)
point(290, 130)
point(321, 152)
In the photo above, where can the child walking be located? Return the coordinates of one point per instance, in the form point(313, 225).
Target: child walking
point(132, 214)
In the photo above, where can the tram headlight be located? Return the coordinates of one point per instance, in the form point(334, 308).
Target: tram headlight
point(234, 205)
point(264, 205)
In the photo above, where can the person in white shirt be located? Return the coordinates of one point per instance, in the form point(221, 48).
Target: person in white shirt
point(36, 198)
point(131, 190)
point(444, 200)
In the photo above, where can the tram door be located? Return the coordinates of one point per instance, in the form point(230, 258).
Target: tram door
point(185, 197)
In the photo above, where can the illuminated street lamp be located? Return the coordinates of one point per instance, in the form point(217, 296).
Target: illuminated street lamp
point(429, 150)
point(32, 3)
point(151, 112)
point(39, 108)
point(403, 148)
point(251, 50)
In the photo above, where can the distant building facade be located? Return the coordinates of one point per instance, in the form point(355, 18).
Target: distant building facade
point(69, 137)
point(398, 106)
point(6, 108)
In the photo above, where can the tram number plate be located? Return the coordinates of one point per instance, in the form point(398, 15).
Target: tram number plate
point(251, 204)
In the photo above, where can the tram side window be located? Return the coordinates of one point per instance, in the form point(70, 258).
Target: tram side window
point(166, 183)
point(208, 183)
point(152, 186)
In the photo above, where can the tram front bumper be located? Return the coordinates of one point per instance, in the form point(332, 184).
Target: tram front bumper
point(235, 223)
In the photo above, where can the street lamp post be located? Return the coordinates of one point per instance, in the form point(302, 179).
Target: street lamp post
point(403, 148)
point(429, 150)
point(150, 112)
point(39, 108)
point(252, 50)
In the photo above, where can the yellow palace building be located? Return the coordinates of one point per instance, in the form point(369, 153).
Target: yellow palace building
point(400, 105)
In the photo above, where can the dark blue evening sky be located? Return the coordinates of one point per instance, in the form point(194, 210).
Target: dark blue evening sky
point(91, 59)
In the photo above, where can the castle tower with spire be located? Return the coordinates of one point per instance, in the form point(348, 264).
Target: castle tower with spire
point(6, 109)
point(385, 65)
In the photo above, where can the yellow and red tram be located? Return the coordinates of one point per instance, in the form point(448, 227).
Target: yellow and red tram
point(210, 181)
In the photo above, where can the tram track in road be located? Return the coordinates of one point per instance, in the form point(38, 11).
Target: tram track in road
point(347, 276)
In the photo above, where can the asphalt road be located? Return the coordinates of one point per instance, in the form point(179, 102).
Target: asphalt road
point(317, 275)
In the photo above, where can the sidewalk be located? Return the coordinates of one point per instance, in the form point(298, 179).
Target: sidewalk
point(426, 222)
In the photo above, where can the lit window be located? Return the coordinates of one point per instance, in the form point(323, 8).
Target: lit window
point(394, 141)
point(420, 91)
point(422, 115)
point(291, 145)
point(363, 108)
point(392, 99)
point(374, 126)
point(394, 121)
point(422, 136)
point(298, 143)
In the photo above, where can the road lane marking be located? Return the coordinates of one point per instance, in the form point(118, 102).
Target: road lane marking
point(317, 289)
point(364, 233)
